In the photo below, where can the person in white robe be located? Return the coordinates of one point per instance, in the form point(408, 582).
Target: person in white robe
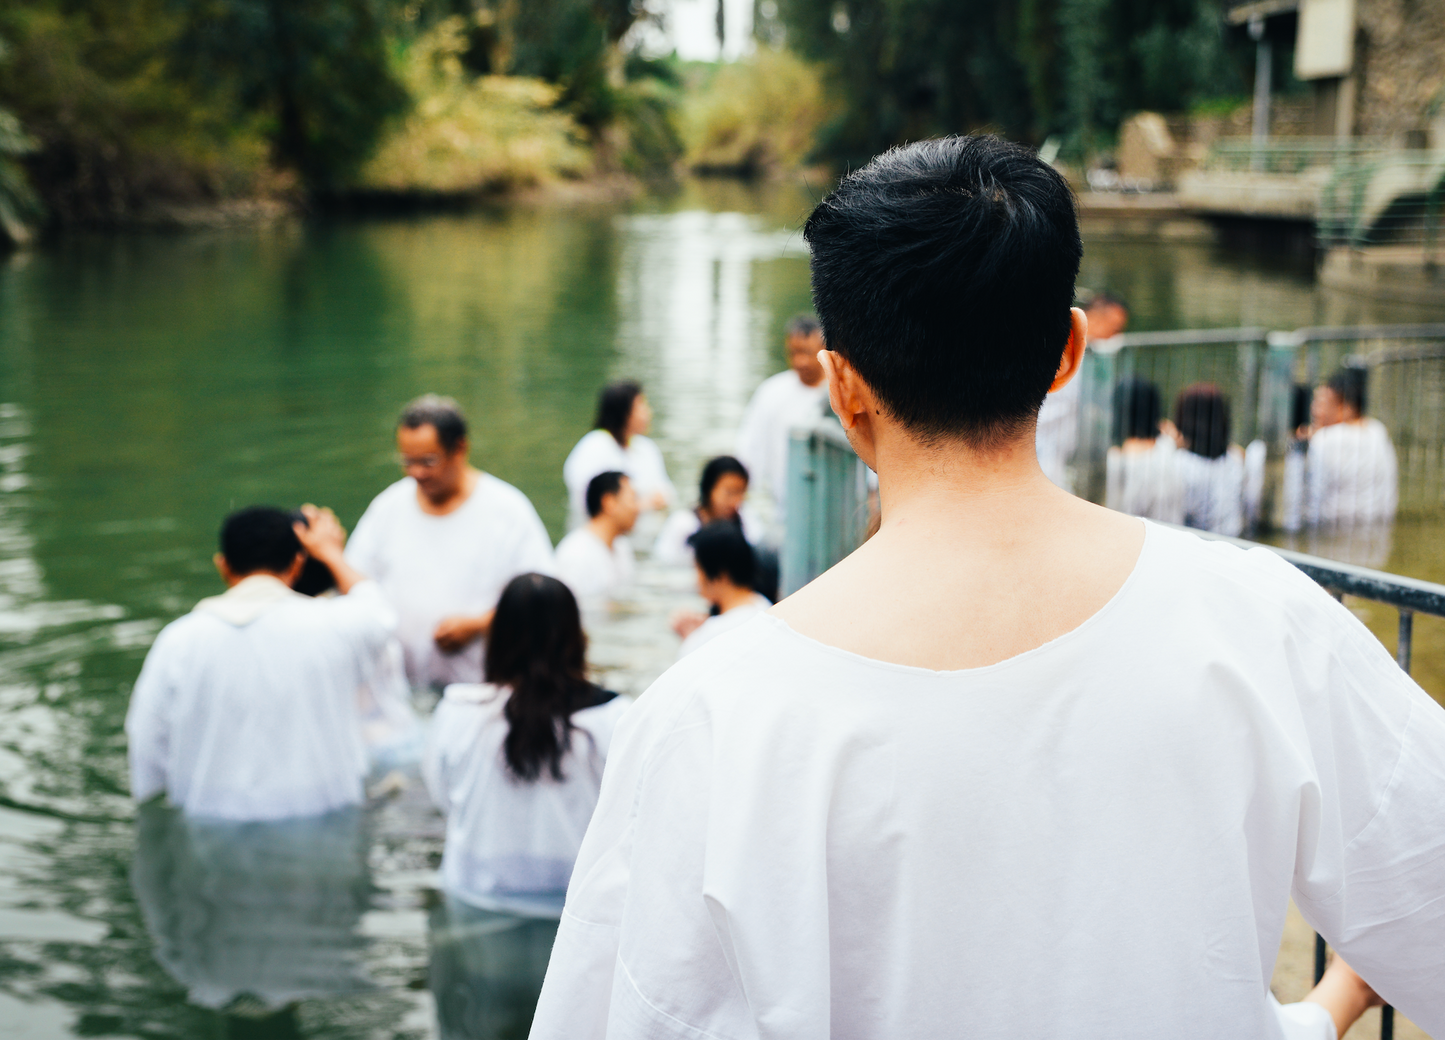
point(443, 542)
point(245, 708)
point(1141, 471)
point(795, 397)
point(1211, 469)
point(972, 781)
point(515, 763)
point(1352, 478)
point(722, 496)
point(1057, 432)
point(726, 569)
point(596, 560)
point(619, 442)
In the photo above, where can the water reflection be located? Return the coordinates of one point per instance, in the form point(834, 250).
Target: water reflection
point(252, 917)
point(486, 970)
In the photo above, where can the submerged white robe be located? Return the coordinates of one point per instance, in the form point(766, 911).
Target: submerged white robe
point(1214, 491)
point(433, 567)
point(510, 844)
point(593, 571)
point(246, 708)
point(1146, 483)
point(780, 403)
point(1351, 475)
point(1094, 839)
point(598, 452)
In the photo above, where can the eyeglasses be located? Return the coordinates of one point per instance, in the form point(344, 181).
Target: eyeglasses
point(419, 461)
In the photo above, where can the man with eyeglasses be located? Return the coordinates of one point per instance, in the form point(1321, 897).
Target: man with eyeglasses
point(443, 542)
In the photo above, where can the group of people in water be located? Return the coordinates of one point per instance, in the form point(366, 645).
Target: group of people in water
point(920, 797)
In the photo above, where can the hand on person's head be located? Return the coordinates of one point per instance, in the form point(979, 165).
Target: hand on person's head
point(322, 534)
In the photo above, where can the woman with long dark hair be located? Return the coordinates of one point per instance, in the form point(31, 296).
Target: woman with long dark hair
point(722, 491)
point(618, 442)
point(515, 762)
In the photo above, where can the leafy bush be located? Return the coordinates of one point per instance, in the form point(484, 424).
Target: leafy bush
point(468, 133)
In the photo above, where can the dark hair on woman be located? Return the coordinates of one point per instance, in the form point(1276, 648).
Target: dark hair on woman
point(259, 538)
point(1136, 410)
point(943, 271)
point(720, 548)
point(442, 414)
point(1299, 406)
point(714, 471)
point(536, 647)
point(1348, 383)
point(1202, 414)
point(614, 408)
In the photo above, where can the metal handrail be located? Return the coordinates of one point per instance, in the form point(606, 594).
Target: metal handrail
point(1179, 338)
point(1409, 596)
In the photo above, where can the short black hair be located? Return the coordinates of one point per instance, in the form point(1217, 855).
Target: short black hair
point(720, 548)
point(1136, 410)
point(440, 412)
point(601, 486)
point(1348, 383)
point(801, 325)
point(714, 471)
point(259, 538)
point(943, 271)
point(1299, 406)
point(1106, 298)
point(614, 408)
point(1201, 411)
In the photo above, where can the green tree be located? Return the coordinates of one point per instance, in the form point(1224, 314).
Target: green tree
point(317, 71)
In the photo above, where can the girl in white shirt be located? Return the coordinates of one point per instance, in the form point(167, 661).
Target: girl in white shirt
point(722, 492)
point(620, 443)
point(515, 762)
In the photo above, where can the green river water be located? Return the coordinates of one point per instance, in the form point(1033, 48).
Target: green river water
point(151, 383)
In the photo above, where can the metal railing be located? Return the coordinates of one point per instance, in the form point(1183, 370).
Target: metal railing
point(1409, 597)
point(1394, 198)
point(827, 514)
point(1289, 155)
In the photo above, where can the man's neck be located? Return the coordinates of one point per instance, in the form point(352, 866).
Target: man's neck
point(604, 528)
point(730, 596)
point(456, 499)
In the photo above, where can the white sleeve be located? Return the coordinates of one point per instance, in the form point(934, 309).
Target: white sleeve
point(363, 548)
point(147, 721)
point(365, 618)
point(1370, 868)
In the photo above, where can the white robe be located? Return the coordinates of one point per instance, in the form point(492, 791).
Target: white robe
point(1214, 491)
point(724, 622)
point(598, 452)
point(780, 403)
point(1094, 839)
point(1351, 475)
point(671, 547)
point(594, 572)
point(1146, 483)
point(432, 567)
point(510, 845)
point(246, 707)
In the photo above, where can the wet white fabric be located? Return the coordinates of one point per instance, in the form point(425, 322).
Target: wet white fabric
point(1146, 483)
point(593, 571)
point(671, 547)
point(1351, 475)
point(778, 404)
point(724, 622)
point(1213, 491)
point(598, 452)
point(1057, 434)
point(258, 720)
point(1098, 838)
point(510, 845)
point(432, 567)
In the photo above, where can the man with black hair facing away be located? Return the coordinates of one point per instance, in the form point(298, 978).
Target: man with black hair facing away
point(1019, 766)
point(443, 542)
point(726, 573)
point(246, 707)
point(596, 561)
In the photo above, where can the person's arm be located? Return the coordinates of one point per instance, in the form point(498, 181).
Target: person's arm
point(147, 723)
point(454, 633)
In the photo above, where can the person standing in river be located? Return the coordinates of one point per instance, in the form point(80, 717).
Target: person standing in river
point(443, 542)
point(1019, 766)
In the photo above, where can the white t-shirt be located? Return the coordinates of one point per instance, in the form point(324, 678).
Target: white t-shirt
point(510, 845)
point(1146, 483)
point(1351, 475)
point(432, 567)
point(724, 622)
point(1213, 491)
point(598, 452)
point(780, 403)
point(1057, 434)
point(671, 546)
point(1097, 838)
point(590, 569)
point(246, 708)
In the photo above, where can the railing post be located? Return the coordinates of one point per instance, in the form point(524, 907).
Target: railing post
point(799, 519)
point(1098, 374)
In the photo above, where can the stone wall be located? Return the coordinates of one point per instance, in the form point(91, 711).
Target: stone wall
point(1400, 53)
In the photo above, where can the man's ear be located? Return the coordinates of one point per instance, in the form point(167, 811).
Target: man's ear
point(846, 394)
point(1073, 356)
point(224, 570)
